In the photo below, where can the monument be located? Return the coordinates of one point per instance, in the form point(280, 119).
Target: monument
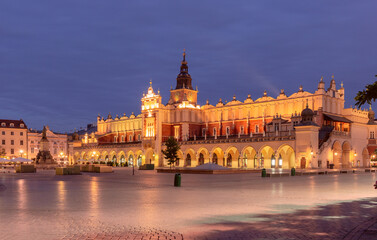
point(44, 156)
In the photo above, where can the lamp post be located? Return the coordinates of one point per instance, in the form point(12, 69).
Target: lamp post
point(21, 152)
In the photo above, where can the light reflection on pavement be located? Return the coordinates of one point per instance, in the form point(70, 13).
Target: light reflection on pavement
point(235, 206)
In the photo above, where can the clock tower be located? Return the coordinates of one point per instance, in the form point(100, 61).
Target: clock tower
point(183, 92)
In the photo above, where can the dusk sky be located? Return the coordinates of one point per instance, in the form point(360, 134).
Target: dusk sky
point(63, 62)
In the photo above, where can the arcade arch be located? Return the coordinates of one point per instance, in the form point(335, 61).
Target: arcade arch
point(365, 158)
point(249, 159)
point(266, 153)
point(217, 156)
point(285, 157)
point(203, 156)
point(232, 158)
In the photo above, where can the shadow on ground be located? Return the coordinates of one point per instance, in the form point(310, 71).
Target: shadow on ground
point(334, 221)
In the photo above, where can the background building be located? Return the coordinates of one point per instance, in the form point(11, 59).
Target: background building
point(58, 144)
point(13, 138)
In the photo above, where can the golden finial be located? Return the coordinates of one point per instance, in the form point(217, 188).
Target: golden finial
point(332, 77)
point(184, 54)
point(150, 82)
point(321, 78)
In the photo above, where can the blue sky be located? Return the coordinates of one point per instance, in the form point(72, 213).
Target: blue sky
point(63, 62)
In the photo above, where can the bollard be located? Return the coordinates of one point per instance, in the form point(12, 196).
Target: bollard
point(177, 180)
point(293, 172)
point(264, 173)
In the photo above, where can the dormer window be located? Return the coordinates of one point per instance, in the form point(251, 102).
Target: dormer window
point(22, 125)
point(11, 125)
point(3, 124)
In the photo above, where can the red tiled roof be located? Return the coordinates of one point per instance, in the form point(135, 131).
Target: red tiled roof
point(6, 123)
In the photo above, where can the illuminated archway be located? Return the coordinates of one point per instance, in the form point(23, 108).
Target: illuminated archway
point(265, 157)
point(249, 159)
point(233, 158)
point(190, 160)
point(365, 158)
point(286, 157)
point(139, 158)
point(180, 160)
point(337, 153)
point(104, 156)
point(217, 156)
point(203, 156)
point(346, 151)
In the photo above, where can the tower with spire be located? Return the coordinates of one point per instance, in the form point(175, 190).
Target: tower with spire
point(183, 90)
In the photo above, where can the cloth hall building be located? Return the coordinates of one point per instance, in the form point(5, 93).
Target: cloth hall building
point(303, 130)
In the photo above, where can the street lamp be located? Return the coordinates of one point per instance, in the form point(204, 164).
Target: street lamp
point(21, 152)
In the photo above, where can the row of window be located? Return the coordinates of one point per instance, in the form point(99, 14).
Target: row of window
point(129, 139)
point(242, 130)
point(3, 124)
point(12, 142)
point(12, 133)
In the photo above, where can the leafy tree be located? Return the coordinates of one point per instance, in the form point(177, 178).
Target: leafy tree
point(171, 151)
point(367, 95)
point(2, 152)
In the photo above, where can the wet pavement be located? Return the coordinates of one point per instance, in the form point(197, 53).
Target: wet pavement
point(147, 206)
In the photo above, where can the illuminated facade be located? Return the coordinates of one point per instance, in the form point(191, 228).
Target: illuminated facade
point(13, 138)
point(303, 130)
point(58, 145)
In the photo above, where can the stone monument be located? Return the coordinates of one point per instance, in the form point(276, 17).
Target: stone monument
point(44, 156)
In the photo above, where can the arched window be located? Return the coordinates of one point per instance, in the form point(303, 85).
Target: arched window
point(229, 160)
point(11, 125)
point(130, 160)
point(201, 159)
point(214, 158)
point(188, 160)
point(214, 132)
point(227, 130)
point(122, 138)
point(138, 137)
point(3, 124)
point(273, 161)
point(130, 138)
point(22, 125)
point(139, 160)
point(256, 128)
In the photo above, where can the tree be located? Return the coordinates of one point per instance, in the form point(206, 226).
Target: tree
point(171, 151)
point(367, 95)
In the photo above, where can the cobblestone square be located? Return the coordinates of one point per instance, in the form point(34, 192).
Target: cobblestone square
point(147, 206)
